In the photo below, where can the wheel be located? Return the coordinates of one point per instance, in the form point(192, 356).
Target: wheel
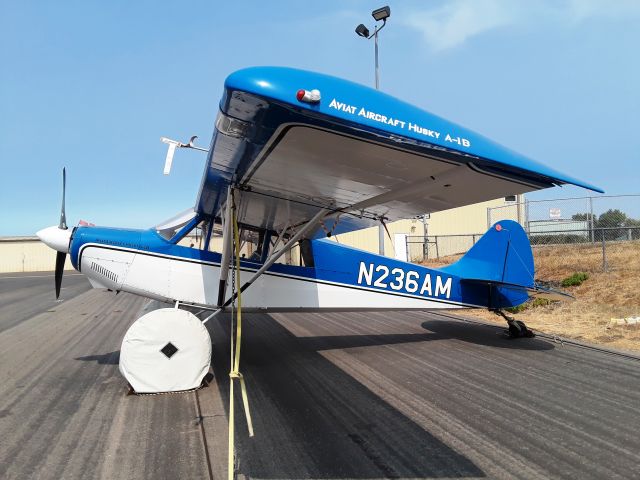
point(166, 350)
point(514, 331)
point(526, 332)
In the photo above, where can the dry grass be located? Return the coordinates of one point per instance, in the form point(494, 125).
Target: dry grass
point(603, 296)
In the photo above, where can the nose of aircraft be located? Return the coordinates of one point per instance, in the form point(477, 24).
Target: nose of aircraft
point(56, 238)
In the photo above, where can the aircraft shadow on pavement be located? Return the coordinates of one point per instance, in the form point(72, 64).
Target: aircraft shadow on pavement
point(489, 335)
point(112, 358)
point(313, 420)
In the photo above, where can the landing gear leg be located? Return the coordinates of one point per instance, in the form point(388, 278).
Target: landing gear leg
point(517, 329)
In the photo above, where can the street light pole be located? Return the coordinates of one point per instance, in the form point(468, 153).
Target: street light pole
point(379, 14)
point(380, 227)
point(375, 41)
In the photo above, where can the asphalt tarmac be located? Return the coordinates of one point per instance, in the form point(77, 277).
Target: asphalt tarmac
point(333, 396)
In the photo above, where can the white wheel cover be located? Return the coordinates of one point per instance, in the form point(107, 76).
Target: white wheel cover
point(166, 350)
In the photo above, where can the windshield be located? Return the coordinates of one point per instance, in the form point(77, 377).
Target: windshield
point(169, 228)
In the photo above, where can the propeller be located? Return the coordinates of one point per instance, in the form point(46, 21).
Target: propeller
point(58, 237)
point(63, 216)
point(61, 257)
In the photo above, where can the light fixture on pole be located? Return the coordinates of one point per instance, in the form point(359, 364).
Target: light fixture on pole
point(380, 14)
point(362, 31)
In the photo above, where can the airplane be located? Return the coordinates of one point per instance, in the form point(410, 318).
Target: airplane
point(296, 158)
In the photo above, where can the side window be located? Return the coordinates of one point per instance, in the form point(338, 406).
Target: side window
point(196, 237)
point(249, 249)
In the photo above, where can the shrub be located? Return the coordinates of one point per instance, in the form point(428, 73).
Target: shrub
point(531, 303)
point(574, 280)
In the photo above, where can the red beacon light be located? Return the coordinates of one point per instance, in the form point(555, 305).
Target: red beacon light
point(308, 96)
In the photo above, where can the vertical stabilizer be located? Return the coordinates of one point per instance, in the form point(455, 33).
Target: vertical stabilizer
point(501, 263)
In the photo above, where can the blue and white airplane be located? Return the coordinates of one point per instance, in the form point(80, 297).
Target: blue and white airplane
point(298, 156)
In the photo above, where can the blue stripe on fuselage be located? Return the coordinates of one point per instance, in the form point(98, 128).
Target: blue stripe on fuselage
point(334, 263)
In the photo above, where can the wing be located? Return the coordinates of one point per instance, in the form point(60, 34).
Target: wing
point(365, 153)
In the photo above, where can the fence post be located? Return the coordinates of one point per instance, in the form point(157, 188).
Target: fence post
point(591, 223)
point(437, 252)
point(425, 238)
point(488, 218)
point(629, 236)
point(604, 253)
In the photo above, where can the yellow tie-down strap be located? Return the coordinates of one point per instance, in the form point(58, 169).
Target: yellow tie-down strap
point(235, 361)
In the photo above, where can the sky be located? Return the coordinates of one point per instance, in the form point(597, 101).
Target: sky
point(93, 85)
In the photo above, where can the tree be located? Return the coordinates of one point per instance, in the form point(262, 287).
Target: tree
point(612, 218)
point(609, 220)
point(613, 224)
point(583, 217)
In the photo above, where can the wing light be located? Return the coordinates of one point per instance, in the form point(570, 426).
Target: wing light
point(231, 126)
point(308, 96)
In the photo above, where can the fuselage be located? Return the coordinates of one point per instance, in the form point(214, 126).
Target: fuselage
point(342, 278)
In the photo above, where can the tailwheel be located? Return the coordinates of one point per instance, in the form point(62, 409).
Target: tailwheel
point(516, 328)
point(527, 332)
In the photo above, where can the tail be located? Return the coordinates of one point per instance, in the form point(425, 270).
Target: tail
point(500, 266)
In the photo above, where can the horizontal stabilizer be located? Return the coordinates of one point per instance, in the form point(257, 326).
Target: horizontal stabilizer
point(535, 291)
point(500, 265)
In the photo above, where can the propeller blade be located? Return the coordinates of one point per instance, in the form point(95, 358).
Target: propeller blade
point(61, 258)
point(63, 216)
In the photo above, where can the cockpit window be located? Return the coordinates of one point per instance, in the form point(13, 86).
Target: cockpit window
point(169, 228)
point(195, 238)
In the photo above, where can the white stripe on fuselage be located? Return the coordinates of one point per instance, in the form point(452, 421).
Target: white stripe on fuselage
point(170, 278)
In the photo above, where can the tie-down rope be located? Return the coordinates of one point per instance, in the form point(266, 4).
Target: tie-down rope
point(235, 374)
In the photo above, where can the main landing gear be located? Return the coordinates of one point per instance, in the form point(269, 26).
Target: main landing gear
point(166, 350)
point(517, 329)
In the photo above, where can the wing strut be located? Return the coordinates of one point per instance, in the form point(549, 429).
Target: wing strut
point(273, 258)
point(227, 234)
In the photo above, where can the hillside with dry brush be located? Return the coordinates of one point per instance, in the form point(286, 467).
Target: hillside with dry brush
point(603, 296)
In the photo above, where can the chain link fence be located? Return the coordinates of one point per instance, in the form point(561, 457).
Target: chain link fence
point(590, 234)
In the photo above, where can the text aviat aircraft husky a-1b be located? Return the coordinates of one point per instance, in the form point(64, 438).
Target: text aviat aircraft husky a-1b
point(297, 157)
